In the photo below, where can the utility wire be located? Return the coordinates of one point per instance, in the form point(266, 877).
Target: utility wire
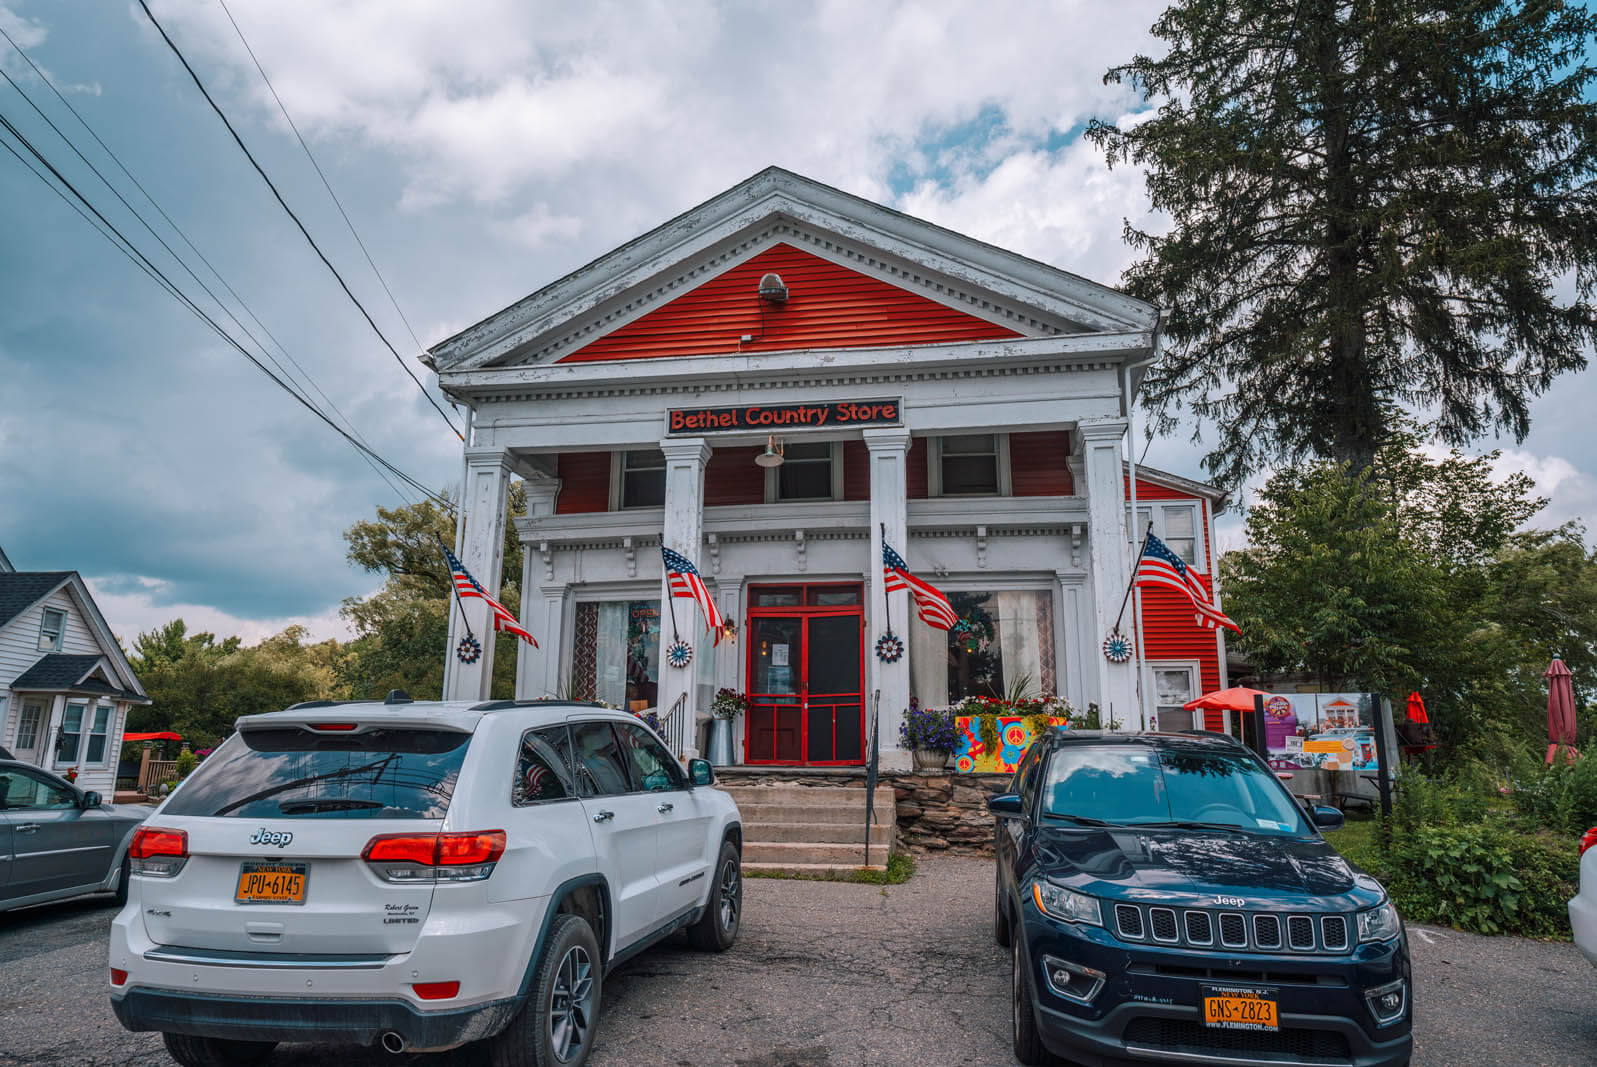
point(290, 211)
point(304, 374)
point(166, 283)
point(318, 167)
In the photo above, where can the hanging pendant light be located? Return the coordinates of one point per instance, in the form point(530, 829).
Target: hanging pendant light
point(772, 456)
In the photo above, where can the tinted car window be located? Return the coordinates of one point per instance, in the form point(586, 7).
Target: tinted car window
point(1131, 786)
point(543, 767)
point(288, 772)
point(20, 791)
point(600, 764)
point(651, 763)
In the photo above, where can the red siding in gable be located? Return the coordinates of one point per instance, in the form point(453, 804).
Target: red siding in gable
point(856, 471)
point(584, 482)
point(828, 306)
point(732, 477)
point(915, 479)
point(1169, 631)
point(1037, 463)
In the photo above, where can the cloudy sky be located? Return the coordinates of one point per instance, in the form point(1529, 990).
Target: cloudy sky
point(482, 149)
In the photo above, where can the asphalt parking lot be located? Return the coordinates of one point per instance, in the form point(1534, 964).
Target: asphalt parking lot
point(824, 975)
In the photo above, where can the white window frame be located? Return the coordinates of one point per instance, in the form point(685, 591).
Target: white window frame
point(773, 477)
point(1194, 671)
point(61, 733)
point(1156, 509)
point(618, 476)
point(89, 734)
point(1019, 583)
point(934, 467)
point(60, 633)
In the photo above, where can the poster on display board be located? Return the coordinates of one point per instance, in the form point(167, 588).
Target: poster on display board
point(1332, 731)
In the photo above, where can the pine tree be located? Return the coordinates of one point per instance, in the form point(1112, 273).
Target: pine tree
point(1375, 205)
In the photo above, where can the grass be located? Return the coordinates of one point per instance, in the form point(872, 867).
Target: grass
point(1356, 842)
point(900, 868)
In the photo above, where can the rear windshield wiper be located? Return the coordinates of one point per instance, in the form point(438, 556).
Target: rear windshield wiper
point(1079, 820)
point(306, 807)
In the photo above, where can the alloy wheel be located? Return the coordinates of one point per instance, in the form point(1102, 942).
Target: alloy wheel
point(571, 1004)
point(731, 894)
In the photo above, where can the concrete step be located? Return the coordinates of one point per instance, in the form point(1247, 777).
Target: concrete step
point(787, 853)
point(762, 814)
point(813, 870)
point(818, 833)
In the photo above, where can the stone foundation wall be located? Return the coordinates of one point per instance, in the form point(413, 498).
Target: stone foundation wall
point(936, 811)
point(941, 812)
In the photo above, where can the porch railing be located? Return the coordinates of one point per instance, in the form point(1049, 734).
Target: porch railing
point(675, 725)
point(155, 772)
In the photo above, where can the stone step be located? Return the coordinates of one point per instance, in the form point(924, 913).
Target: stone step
point(788, 853)
point(813, 870)
point(818, 832)
point(761, 814)
point(841, 798)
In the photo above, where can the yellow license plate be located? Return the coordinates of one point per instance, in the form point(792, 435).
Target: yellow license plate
point(1240, 1010)
point(267, 882)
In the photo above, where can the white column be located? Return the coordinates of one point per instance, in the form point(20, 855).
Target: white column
point(531, 663)
point(889, 492)
point(1110, 563)
point(1080, 685)
point(482, 550)
point(683, 532)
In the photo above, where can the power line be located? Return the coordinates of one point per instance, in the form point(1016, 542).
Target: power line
point(325, 183)
point(304, 374)
point(290, 211)
point(166, 283)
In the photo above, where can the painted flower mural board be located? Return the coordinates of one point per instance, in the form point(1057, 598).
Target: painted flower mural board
point(1014, 735)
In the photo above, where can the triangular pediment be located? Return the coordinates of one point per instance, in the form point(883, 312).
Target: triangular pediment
point(860, 275)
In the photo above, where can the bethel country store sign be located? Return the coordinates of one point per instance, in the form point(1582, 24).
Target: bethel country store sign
point(764, 417)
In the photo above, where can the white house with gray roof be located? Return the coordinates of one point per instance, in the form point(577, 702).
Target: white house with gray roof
point(65, 686)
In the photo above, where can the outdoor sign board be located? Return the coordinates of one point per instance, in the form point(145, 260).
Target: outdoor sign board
point(1332, 731)
point(763, 418)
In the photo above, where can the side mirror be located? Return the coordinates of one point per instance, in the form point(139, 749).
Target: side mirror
point(1005, 804)
point(1327, 818)
point(91, 799)
point(700, 772)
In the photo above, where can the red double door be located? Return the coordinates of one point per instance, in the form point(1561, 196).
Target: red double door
point(806, 674)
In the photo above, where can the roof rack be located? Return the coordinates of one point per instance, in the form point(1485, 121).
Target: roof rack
point(503, 705)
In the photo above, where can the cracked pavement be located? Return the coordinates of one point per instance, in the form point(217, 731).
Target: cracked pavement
point(823, 975)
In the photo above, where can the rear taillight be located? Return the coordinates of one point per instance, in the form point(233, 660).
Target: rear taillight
point(436, 990)
point(118, 977)
point(339, 727)
point(158, 853)
point(456, 857)
point(1589, 841)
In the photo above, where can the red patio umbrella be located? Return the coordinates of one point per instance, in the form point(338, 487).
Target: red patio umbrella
point(1416, 708)
point(1237, 698)
point(1560, 710)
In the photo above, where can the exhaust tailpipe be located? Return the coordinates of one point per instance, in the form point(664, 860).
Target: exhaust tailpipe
point(392, 1042)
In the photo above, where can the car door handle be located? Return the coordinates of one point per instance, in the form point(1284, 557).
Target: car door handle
point(604, 816)
point(663, 808)
point(27, 828)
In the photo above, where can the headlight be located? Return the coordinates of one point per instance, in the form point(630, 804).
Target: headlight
point(1379, 924)
point(1066, 904)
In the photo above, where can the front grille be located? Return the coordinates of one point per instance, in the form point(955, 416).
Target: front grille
point(1164, 924)
point(1180, 1035)
point(1333, 932)
point(1267, 931)
point(1129, 918)
point(1199, 930)
point(1233, 930)
point(1300, 932)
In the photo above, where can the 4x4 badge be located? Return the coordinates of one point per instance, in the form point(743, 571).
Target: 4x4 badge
point(263, 836)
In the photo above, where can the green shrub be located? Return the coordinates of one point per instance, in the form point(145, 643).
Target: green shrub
point(1485, 878)
point(1562, 797)
point(186, 762)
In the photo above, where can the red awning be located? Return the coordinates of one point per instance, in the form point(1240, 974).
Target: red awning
point(165, 735)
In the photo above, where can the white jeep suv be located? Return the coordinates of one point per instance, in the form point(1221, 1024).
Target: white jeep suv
point(419, 875)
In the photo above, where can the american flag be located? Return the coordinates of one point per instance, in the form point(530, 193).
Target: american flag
point(1160, 566)
point(930, 604)
point(682, 577)
point(467, 587)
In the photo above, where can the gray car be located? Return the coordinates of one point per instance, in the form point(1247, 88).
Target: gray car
point(58, 841)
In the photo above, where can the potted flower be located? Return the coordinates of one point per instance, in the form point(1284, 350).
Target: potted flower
point(726, 706)
point(929, 734)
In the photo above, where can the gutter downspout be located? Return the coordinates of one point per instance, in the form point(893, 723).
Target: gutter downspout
point(1133, 525)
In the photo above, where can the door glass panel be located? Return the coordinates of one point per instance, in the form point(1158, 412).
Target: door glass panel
point(774, 597)
point(23, 792)
point(543, 769)
point(834, 654)
point(821, 734)
point(601, 766)
point(28, 726)
point(652, 765)
point(824, 597)
point(776, 657)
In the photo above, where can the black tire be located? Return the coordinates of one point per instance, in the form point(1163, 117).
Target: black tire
point(1023, 1014)
point(557, 1024)
point(215, 1051)
point(122, 879)
point(1003, 930)
point(717, 928)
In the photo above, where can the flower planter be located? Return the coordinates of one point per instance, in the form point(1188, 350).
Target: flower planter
point(927, 760)
point(721, 742)
point(1014, 734)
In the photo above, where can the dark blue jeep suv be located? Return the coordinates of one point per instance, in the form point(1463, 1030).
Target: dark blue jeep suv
point(1168, 901)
